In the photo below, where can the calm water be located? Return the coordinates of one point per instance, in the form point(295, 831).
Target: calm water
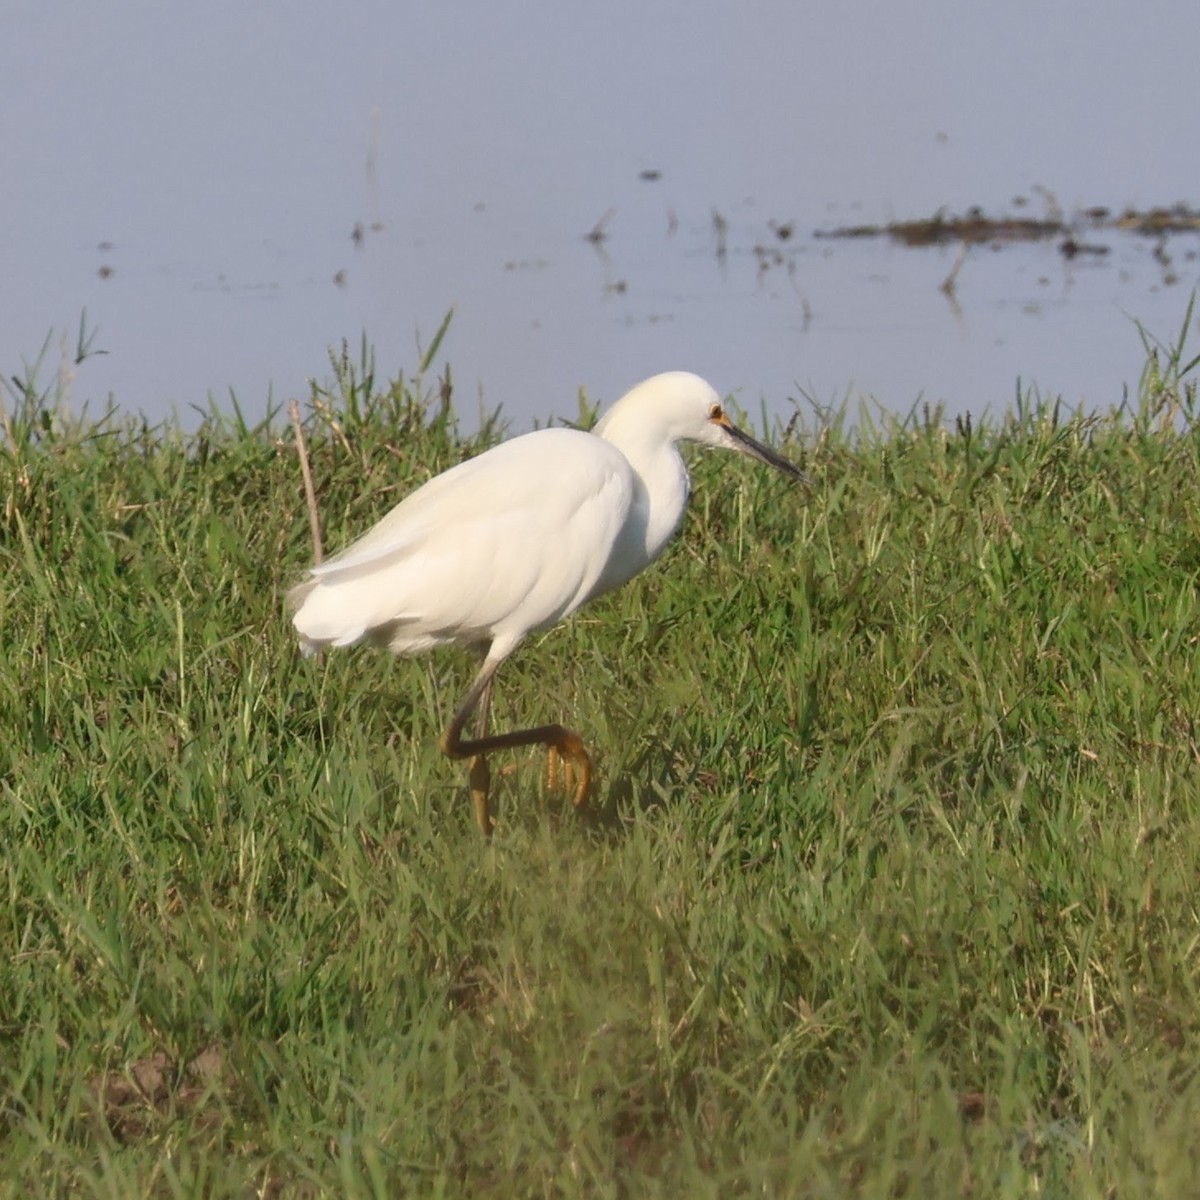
point(193, 178)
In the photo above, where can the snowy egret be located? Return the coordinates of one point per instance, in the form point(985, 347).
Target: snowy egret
point(516, 540)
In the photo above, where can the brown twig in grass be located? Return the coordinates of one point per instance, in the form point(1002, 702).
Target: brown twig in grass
point(8, 430)
point(314, 521)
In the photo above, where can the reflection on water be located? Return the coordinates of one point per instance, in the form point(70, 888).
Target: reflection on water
point(954, 310)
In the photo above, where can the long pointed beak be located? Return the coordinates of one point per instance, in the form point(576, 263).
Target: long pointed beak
point(743, 443)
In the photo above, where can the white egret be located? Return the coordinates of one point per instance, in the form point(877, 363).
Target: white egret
point(515, 540)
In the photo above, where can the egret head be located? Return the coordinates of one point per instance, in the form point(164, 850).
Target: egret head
point(679, 406)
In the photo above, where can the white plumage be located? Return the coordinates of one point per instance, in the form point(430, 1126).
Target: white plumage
point(463, 558)
point(516, 540)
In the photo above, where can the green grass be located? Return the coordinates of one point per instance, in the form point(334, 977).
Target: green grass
point(890, 885)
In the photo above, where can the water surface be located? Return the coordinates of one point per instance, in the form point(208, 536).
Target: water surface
point(230, 189)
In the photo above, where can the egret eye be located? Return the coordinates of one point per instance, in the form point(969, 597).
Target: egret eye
point(715, 413)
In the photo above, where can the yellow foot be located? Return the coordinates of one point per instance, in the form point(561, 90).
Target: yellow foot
point(481, 782)
point(577, 766)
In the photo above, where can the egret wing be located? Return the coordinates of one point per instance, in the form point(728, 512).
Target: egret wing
point(507, 542)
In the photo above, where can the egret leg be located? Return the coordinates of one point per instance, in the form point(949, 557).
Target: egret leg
point(479, 773)
point(561, 743)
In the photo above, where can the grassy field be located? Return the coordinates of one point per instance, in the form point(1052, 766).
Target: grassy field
point(889, 888)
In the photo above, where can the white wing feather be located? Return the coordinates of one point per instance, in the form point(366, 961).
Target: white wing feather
point(507, 542)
